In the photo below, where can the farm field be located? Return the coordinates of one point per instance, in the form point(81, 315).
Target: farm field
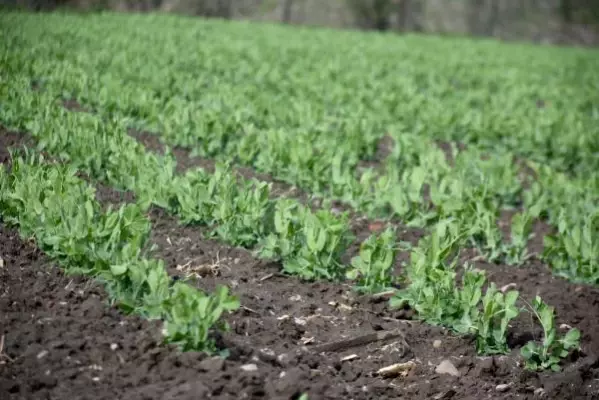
point(204, 209)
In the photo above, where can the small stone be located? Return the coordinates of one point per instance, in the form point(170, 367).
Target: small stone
point(540, 392)
point(437, 344)
point(114, 346)
point(487, 365)
point(504, 387)
point(267, 355)
point(236, 261)
point(42, 354)
point(447, 367)
point(1, 263)
point(283, 358)
point(249, 367)
point(376, 227)
point(212, 364)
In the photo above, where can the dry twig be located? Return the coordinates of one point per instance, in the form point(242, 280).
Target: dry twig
point(362, 340)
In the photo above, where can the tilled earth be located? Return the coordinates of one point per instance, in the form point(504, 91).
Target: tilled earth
point(60, 339)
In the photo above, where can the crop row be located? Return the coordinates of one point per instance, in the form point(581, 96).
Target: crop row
point(49, 203)
point(219, 82)
point(308, 244)
point(473, 189)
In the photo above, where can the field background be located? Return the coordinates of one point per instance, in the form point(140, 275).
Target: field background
point(540, 21)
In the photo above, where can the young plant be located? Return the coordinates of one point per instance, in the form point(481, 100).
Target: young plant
point(140, 285)
point(50, 204)
point(549, 353)
point(468, 299)
point(404, 195)
point(574, 252)
point(191, 315)
point(485, 235)
point(434, 295)
point(516, 252)
point(284, 240)
point(240, 209)
point(192, 198)
point(497, 311)
point(372, 268)
point(309, 245)
point(431, 289)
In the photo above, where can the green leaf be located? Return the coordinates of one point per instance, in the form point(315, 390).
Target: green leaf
point(118, 269)
point(572, 338)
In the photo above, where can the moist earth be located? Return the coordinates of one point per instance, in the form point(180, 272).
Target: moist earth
point(61, 339)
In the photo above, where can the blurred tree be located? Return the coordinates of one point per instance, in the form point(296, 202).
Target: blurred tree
point(371, 14)
point(483, 16)
point(552, 21)
point(409, 15)
point(566, 10)
point(204, 8)
point(287, 10)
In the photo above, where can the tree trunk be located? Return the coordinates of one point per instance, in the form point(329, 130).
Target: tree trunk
point(287, 11)
point(404, 15)
point(475, 13)
point(225, 9)
point(381, 14)
point(493, 18)
point(565, 8)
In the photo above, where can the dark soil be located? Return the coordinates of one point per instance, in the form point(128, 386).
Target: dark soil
point(62, 340)
point(74, 105)
point(384, 147)
point(447, 148)
point(11, 140)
